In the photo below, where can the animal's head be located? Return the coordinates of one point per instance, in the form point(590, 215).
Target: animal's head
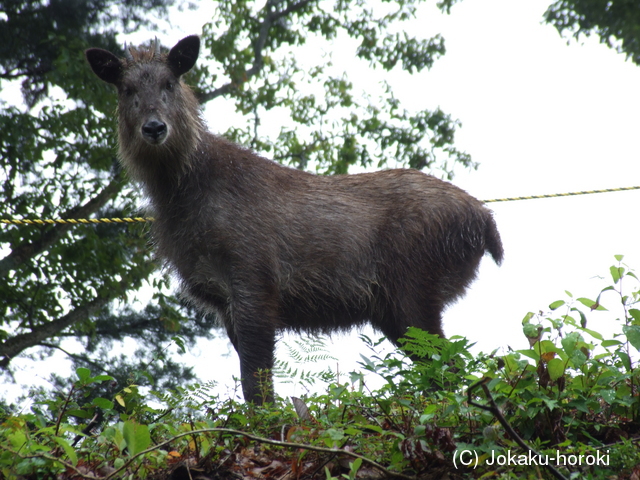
point(156, 109)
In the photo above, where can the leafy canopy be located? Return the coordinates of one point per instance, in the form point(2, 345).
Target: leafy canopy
point(617, 23)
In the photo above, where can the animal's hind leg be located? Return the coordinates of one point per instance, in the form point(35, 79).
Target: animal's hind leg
point(409, 313)
point(429, 320)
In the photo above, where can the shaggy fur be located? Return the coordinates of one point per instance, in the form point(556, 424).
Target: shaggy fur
point(270, 248)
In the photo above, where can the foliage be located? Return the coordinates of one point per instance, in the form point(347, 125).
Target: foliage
point(573, 396)
point(575, 391)
point(617, 23)
point(58, 160)
point(305, 351)
point(34, 33)
point(337, 129)
point(77, 289)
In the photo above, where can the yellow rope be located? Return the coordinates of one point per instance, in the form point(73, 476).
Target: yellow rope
point(74, 221)
point(567, 194)
point(87, 221)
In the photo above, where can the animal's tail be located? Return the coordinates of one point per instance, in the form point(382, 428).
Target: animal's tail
point(492, 241)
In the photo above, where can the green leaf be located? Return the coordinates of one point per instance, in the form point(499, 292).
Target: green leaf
point(580, 404)
point(623, 391)
point(84, 374)
point(68, 449)
point(593, 333)
point(583, 319)
point(179, 341)
point(530, 330)
point(103, 403)
point(549, 346)
point(76, 412)
point(355, 466)
point(625, 359)
point(578, 358)
point(616, 273)
point(570, 342)
point(632, 333)
point(528, 317)
point(556, 368)
point(332, 437)
point(374, 428)
point(591, 304)
point(368, 363)
point(17, 439)
point(557, 304)
point(611, 343)
point(136, 436)
point(551, 404)
point(529, 353)
point(635, 314)
point(148, 376)
point(608, 395)
point(356, 377)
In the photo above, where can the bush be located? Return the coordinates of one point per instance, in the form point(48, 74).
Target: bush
point(571, 398)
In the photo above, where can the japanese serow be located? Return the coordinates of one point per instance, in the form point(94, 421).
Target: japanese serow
point(270, 248)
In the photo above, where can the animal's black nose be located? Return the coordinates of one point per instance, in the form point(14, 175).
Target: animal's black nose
point(154, 129)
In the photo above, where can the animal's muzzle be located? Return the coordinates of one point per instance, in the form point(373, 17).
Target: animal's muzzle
point(154, 131)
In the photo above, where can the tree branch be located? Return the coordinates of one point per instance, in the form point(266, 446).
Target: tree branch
point(24, 252)
point(495, 410)
point(114, 472)
point(270, 18)
point(388, 473)
point(98, 366)
point(16, 344)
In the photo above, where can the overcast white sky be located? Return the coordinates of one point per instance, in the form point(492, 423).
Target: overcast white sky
point(539, 116)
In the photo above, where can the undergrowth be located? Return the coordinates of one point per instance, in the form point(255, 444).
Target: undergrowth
point(568, 406)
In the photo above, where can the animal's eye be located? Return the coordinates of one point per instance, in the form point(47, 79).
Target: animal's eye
point(128, 91)
point(169, 86)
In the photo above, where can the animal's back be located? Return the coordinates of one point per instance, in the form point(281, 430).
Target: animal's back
point(323, 246)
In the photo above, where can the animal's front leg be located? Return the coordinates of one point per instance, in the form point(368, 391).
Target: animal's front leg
point(252, 333)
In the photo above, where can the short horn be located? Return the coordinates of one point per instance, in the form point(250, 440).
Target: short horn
point(127, 53)
point(156, 48)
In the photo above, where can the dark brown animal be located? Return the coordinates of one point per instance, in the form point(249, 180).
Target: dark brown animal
point(270, 248)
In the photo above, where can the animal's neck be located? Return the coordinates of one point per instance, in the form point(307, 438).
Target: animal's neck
point(170, 178)
point(162, 169)
point(212, 163)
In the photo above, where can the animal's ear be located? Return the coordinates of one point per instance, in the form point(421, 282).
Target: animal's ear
point(183, 56)
point(104, 64)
